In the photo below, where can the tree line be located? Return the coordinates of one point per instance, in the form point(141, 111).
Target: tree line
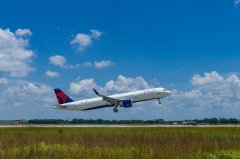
point(156, 121)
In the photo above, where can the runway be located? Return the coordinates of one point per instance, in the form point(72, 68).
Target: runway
point(107, 126)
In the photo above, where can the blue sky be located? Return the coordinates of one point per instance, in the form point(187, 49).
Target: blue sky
point(189, 47)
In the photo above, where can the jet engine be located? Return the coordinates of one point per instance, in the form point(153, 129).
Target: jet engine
point(127, 103)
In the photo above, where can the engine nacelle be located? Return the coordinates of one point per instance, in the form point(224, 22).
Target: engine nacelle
point(127, 103)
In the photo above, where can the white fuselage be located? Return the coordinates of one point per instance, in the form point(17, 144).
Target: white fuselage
point(137, 96)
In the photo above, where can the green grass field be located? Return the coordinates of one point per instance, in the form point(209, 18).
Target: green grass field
point(121, 143)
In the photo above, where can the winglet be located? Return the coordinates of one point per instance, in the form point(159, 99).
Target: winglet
point(96, 91)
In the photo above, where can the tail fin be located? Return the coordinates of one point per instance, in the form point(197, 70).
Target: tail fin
point(62, 97)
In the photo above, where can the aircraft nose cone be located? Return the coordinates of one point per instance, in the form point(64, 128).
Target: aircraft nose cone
point(169, 92)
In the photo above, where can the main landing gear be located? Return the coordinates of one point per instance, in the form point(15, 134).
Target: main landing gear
point(159, 101)
point(115, 110)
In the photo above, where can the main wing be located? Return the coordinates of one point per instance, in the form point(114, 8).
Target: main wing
point(110, 100)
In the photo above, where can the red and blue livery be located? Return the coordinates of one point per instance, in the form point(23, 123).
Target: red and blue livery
point(62, 97)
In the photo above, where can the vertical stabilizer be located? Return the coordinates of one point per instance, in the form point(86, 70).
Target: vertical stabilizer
point(62, 97)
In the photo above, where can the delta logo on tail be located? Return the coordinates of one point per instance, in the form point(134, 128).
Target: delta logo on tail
point(62, 97)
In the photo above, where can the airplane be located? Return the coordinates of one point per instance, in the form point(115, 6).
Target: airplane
point(124, 100)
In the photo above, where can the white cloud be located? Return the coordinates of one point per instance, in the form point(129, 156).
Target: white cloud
point(120, 85)
point(15, 56)
point(88, 64)
point(24, 94)
point(82, 40)
point(236, 2)
point(36, 89)
point(82, 86)
point(103, 64)
point(61, 61)
point(210, 91)
point(57, 60)
point(208, 78)
point(209, 95)
point(23, 32)
point(96, 34)
point(125, 84)
point(4, 81)
point(99, 64)
point(52, 74)
point(34, 94)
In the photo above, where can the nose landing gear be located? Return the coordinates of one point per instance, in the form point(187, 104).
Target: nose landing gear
point(115, 110)
point(159, 101)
